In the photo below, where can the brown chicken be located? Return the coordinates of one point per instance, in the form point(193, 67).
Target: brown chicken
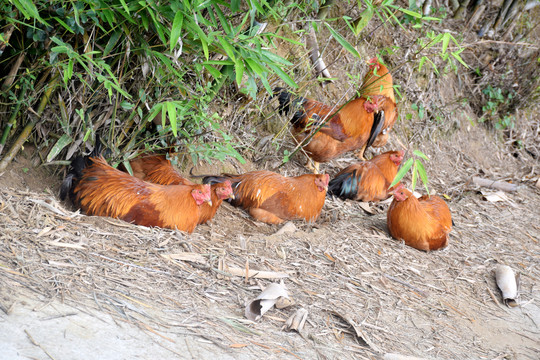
point(99, 189)
point(272, 198)
point(329, 131)
point(368, 180)
point(157, 169)
point(378, 82)
point(422, 223)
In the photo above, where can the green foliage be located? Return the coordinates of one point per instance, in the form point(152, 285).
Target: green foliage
point(418, 170)
point(134, 60)
point(496, 108)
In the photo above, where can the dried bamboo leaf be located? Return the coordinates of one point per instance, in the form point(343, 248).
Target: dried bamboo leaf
point(256, 308)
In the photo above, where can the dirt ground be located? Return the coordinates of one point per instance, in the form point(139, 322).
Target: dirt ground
point(77, 286)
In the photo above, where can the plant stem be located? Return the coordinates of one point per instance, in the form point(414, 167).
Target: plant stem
point(12, 119)
point(23, 136)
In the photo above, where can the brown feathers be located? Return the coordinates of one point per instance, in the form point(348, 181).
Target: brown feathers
point(157, 169)
point(360, 123)
point(272, 198)
point(105, 191)
point(367, 180)
point(422, 223)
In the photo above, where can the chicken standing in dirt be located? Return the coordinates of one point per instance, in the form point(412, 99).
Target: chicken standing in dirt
point(158, 170)
point(99, 189)
point(368, 180)
point(360, 123)
point(272, 198)
point(422, 223)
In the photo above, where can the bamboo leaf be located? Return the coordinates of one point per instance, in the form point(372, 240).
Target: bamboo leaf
point(239, 70)
point(127, 165)
point(445, 42)
point(213, 71)
point(340, 39)
point(283, 75)
point(113, 40)
point(401, 173)
point(423, 174)
point(64, 141)
point(408, 12)
point(228, 48)
point(420, 154)
point(124, 5)
point(363, 20)
point(66, 26)
point(176, 29)
point(458, 58)
point(414, 175)
point(171, 110)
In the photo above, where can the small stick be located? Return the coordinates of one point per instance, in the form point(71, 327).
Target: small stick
point(407, 284)
point(492, 295)
point(495, 184)
point(38, 345)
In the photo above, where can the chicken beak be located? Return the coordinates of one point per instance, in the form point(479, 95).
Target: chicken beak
point(231, 196)
point(326, 188)
point(209, 201)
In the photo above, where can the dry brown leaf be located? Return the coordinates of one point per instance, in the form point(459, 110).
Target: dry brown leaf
point(265, 301)
point(296, 321)
point(358, 331)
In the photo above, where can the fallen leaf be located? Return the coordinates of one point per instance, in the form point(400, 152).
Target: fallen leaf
point(296, 321)
point(255, 309)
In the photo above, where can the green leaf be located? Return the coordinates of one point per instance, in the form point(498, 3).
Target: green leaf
point(66, 26)
point(176, 29)
point(228, 48)
point(414, 175)
point(445, 41)
point(267, 55)
point(124, 5)
point(113, 40)
point(420, 154)
point(283, 76)
point(253, 65)
point(408, 12)
point(64, 141)
point(423, 174)
point(363, 20)
point(422, 61)
point(171, 110)
point(340, 39)
point(458, 58)
point(127, 165)
point(87, 134)
point(239, 70)
point(401, 173)
point(213, 71)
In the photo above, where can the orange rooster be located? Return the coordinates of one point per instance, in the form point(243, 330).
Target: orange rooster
point(99, 189)
point(357, 125)
point(368, 180)
point(378, 82)
point(157, 169)
point(422, 223)
point(272, 198)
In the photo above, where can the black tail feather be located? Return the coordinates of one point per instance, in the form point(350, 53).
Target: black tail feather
point(76, 170)
point(344, 186)
point(378, 122)
point(211, 180)
point(286, 102)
